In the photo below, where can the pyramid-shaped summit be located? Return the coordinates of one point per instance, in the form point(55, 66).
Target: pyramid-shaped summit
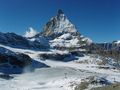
point(60, 11)
point(59, 33)
point(62, 33)
point(58, 25)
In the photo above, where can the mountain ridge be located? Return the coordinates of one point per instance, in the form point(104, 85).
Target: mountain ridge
point(60, 32)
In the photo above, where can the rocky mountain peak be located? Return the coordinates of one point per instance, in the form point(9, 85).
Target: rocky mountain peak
point(62, 33)
point(58, 25)
point(59, 32)
point(61, 16)
point(60, 12)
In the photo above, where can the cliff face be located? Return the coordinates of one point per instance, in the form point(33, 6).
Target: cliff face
point(59, 25)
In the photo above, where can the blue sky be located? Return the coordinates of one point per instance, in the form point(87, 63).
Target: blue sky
point(97, 19)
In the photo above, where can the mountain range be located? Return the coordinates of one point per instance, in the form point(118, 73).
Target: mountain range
point(59, 49)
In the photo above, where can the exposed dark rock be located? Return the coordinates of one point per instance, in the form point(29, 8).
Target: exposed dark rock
point(57, 56)
point(78, 53)
point(6, 76)
point(98, 80)
point(11, 62)
point(60, 12)
point(14, 40)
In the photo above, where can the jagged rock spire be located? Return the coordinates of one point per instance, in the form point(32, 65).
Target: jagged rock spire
point(61, 15)
point(60, 12)
point(59, 24)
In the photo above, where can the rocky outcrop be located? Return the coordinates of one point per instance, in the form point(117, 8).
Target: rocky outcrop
point(57, 56)
point(59, 25)
point(14, 40)
point(11, 62)
point(20, 60)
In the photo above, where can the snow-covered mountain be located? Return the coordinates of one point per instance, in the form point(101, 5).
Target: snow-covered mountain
point(59, 32)
point(117, 42)
point(115, 45)
point(14, 40)
point(69, 60)
point(59, 25)
point(30, 33)
point(62, 33)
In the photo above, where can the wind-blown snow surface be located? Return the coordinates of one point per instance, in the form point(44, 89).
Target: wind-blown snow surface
point(60, 76)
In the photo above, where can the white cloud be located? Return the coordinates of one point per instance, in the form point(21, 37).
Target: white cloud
point(89, 41)
point(31, 32)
